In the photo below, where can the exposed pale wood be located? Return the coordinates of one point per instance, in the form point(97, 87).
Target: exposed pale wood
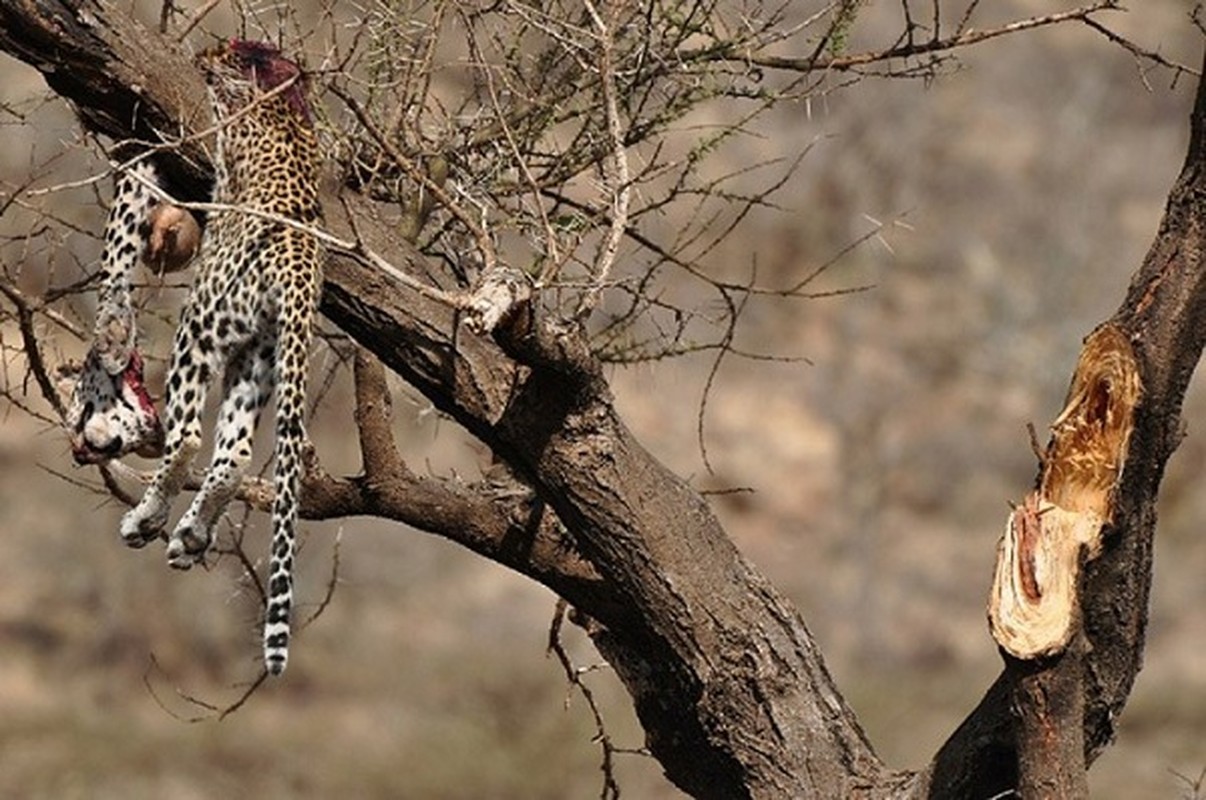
point(1033, 606)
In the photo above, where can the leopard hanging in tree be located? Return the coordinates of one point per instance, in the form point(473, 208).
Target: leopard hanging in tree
point(248, 318)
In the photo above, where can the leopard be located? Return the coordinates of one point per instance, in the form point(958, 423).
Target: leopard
point(249, 317)
point(111, 413)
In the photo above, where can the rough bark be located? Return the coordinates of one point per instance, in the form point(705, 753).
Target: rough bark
point(727, 680)
point(1049, 703)
point(731, 690)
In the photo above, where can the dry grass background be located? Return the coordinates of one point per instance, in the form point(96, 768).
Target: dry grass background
point(1031, 182)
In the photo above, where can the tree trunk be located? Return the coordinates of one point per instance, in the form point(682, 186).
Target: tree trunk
point(726, 678)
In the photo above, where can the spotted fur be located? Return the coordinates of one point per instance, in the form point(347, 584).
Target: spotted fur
point(248, 319)
point(110, 413)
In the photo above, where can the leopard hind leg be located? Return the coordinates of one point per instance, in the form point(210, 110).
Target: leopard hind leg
point(195, 358)
point(247, 385)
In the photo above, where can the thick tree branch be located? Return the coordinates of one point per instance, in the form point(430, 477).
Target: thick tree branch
point(115, 81)
point(373, 418)
point(548, 414)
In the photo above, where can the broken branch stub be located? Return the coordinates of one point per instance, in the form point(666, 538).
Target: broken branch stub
point(495, 298)
point(1033, 605)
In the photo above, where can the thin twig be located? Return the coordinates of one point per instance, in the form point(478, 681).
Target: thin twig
point(485, 246)
point(195, 18)
point(1138, 52)
point(32, 348)
point(215, 712)
point(332, 582)
point(619, 178)
point(934, 45)
point(611, 789)
point(552, 251)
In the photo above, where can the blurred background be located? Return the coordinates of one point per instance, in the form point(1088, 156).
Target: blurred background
point(1018, 193)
